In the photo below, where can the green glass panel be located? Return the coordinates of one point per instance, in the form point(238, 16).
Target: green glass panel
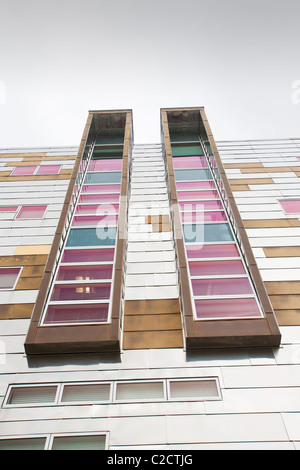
point(23, 444)
point(79, 443)
point(108, 151)
point(102, 236)
point(186, 137)
point(193, 175)
point(186, 150)
point(207, 233)
point(103, 177)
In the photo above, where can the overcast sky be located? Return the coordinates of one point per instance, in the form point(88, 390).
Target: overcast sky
point(61, 58)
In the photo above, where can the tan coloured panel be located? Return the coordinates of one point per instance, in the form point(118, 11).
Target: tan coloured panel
point(283, 287)
point(241, 187)
point(33, 250)
point(29, 283)
point(153, 339)
point(281, 251)
point(238, 165)
point(23, 260)
point(288, 317)
point(152, 322)
point(152, 307)
point(285, 302)
point(269, 223)
point(14, 311)
point(278, 169)
point(251, 181)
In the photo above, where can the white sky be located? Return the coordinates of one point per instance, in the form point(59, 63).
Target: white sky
point(60, 58)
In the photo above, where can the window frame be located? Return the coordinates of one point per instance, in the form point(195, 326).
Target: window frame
point(31, 218)
point(37, 167)
point(194, 379)
point(17, 278)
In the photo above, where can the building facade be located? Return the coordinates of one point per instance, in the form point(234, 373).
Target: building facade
point(149, 294)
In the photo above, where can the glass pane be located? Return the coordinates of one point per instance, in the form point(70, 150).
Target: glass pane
point(200, 205)
point(211, 251)
point(88, 256)
point(140, 391)
point(198, 217)
point(184, 150)
point(191, 185)
point(101, 198)
point(23, 170)
point(206, 268)
point(8, 277)
point(23, 444)
point(197, 195)
point(193, 389)
point(190, 162)
point(290, 206)
point(101, 188)
point(79, 443)
point(27, 395)
point(31, 212)
point(187, 136)
point(92, 237)
point(106, 165)
point(104, 177)
point(84, 273)
point(192, 175)
point(221, 286)
point(97, 209)
point(227, 308)
point(76, 313)
point(207, 233)
point(9, 208)
point(93, 220)
point(86, 392)
point(48, 170)
point(79, 292)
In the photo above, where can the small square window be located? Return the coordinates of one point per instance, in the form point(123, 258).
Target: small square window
point(31, 212)
point(9, 208)
point(9, 277)
point(290, 206)
point(32, 395)
point(24, 170)
point(48, 170)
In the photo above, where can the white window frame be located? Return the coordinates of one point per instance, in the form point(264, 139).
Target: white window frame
point(135, 400)
point(66, 384)
point(22, 405)
point(17, 278)
point(194, 379)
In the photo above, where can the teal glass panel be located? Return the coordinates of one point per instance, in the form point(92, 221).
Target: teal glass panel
point(193, 175)
point(23, 444)
point(103, 177)
point(182, 150)
point(79, 443)
point(92, 236)
point(205, 233)
point(187, 137)
point(108, 151)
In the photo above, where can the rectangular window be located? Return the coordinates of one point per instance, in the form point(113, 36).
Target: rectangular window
point(80, 292)
point(140, 391)
point(32, 395)
point(186, 150)
point(215, 287)
point(192, 175)
point(101, 188)
point(92, 237)
point(196, 195)
point(114, 164)
point(103, 177)
point(48, 170)
point(24, 171)
point(216, 268)
point(37, 443)
point(91, 393)
point(193, 185)
point(199, 217)
point(100, 198)
point(203, 389)
point(93, 220)
point(290, 206)
point(31, 212)
point(9, 277)
point(88, 255)
point(207, 233)
point(90, 313)
point(96, 442)
point(190, 162)
point(212, 251)
point(84, 273)
point(9, 208)
point(200, 206)
point(226, 308)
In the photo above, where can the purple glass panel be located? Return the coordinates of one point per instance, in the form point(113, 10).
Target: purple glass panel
point(211, 251)
point(24, 170)
point(9, 208)
point(88, 256)
point(80, 292)
point(182, 185)
point(98, 209)
point(206, 268)
point(221, 286)
point(84, 273)
point(102, 198)
point(76, 314)
point(101, 188)
point(194, 195)
point(106, 165)
point(31, 212)
point(290, 206)
point(48, 170)
point(8, 277)
point(190, 162)
point(198, 217)
point(93, 220)
point(227, 308)
point(200, 205)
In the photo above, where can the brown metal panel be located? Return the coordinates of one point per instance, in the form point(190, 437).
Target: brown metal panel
point(153, 339)
point(16, 311)
point(283, 287)
point(288, 317)
point(151, 307)
point(19, 260)
point(152, 322)
point(29, 283)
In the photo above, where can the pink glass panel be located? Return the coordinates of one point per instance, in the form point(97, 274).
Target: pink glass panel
point(206, 268)
point(98, 209)
point(88, 256)
point(103, 198)
point(93, 220)
point(200, 205)
point(8, 208)
point(211, 251)
point(106, 165)
point(48, 170)
point(182, 185)
point(290, 206)
point(190, 162)
point(31, 212)
point(24, 170)
point(8, 277)
point(76, 313)
point(198, 217)
point(84, 273)
point(227, 308)
point(101, 188)
point(221, 286)
point(194, 195)
point(80, 292)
